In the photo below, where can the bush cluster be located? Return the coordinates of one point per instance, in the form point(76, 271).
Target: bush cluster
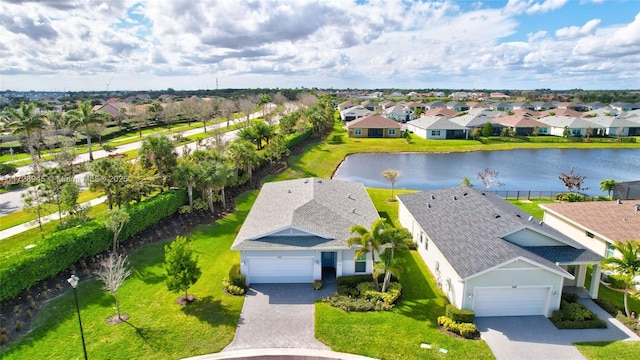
point(573, 315)
point(63, 248)
point(467, 330)
point(356, 293)
point(616, 281)
point(235, 284)
point(459, 316)
point(607, 306)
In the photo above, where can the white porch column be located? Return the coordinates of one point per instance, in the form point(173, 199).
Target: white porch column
point(339, 263)
point(595, 281)
point(581, 273)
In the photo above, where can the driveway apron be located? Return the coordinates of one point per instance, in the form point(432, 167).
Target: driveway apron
point(279, 316)
point(536, 338)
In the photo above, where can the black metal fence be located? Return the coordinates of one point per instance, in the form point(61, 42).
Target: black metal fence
point(532, 194)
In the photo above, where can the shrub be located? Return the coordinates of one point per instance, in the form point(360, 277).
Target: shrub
point(350, 304)
point(576, 316)
point(63, 248)
point(461, 316)
point(366, 290)
point(235, 290)
point(607, 306)
point(595, 323)
point(570, 297)
point(467, 330)
point(236, 278)
point(616, 281)
point(352, 280)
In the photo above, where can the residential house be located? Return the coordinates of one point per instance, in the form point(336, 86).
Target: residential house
point(440, 111)
point(369, 105)
point(577, 126)
point(622, 106)
point(577, 106)
point(597, 225)
point(387, 104)
point(436, 127)
point(400, 113)
point(542, 106)
point(614, 126)
point(498, 95)
point(434, 105)
point(457, 106)
point(415, 105)
point(346, 105)
point(518, 105)
point(522, 125)
point(297, 230)
point(477, 118)
point(596, 105)
point(459, 95)
point(560, 112)
point(374, 126)
point(112, 108)
point(491, 257)
point(354, 112)
point(502, 106)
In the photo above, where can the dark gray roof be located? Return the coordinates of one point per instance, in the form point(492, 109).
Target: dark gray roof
point(565, 254)
point(471, 230)
point(314, 213)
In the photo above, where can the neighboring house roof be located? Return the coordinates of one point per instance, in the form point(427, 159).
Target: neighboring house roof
point(608, 219)
point(435, 123)
point(346, 105)
point(568, 121)
point(612, 122)
point(305, 213)
point(519, 121)
point(471, 229)
point(440, 111)
point(357, 111)
point(374, 122)
point(560, 112)
point(476, 118)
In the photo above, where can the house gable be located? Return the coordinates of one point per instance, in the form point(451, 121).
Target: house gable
point(529, 237)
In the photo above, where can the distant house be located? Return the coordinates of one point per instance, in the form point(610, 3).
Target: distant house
point(346, 105)
point(622, 106)
point(298, 229)
point(459, 95)
point(440, 111)
point(477, 118)
point(400, 113)
point(577, 106)
point(436, 127)
point(596, 225)
point(491, 257)
point(374, 126)
point(457, 106)
point(435, 105)
point(577, 126)
point(522, 125)
point(614, 126)
point(542, 106)
point(502, 106)
point(354, 112)
point(560, 112)
point(498, 95)
point(112, 108)
point(369, 105)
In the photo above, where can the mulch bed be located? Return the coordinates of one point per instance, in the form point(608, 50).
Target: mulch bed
point(18, 313)
point(458, 336)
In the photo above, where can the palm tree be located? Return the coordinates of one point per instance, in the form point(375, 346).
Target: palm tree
point(395, 240)
point(25, 121)
point(387, 266)
point(627, 265)
point(608, 185)
point(369, 242)
point(187, 173)
point(84, 116)
point(104, 175)
point(264, 132)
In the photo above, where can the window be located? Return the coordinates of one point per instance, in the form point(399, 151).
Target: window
point(435, 132)
point(357, 131)
point(392, 131)
point(361, 263)
point(426, 242)
point(610, 250)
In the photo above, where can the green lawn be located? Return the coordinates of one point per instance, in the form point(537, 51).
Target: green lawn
point(532, 207)
point(166, 330)
point(397, 334)
point(615, 297)
point(610, 350)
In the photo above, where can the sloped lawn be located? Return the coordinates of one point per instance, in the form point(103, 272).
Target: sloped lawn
point(165, 330)
point(610, 350)
point(397, 334)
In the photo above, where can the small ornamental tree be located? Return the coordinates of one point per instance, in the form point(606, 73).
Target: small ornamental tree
point(114, 221)
point(573, 181)
point(182, 268)
point(489, 178)
point(113, 272)
point(392, 176)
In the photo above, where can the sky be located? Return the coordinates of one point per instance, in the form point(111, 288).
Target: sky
point(97, 45)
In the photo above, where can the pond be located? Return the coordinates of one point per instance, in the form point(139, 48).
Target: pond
point(521, 169)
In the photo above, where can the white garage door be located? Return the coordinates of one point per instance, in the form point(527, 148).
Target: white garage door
point(521, 301)
point(280, 270)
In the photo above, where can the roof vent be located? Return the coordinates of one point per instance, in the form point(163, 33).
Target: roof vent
point(540, 223)
point(433, 197)
point(465, 193)
point(306, 181)
point(637, 207)
point(618, 201)
point(518, 216)
point(319, 181)
point(483, 194)
point(454, 197)
point(353, 210)
point(496, 216)
point(530, 218)
point(289, 191)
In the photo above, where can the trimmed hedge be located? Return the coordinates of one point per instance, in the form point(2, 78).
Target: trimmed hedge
point(352, 281)
point(63, 248)
point(467, 330)
point(297, 138)
point(573, 315)
point(457, 315)
point(389, 297)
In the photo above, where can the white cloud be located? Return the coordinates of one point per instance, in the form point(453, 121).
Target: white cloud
point(576, 31)
point(537, 35)
point(533, 7)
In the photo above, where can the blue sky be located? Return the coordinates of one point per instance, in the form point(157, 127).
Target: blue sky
point(189, 44)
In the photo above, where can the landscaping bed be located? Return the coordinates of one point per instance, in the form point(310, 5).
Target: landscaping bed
point(573, 315)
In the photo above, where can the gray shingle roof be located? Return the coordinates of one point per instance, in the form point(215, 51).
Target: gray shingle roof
point(470, 231)
point(317, 212)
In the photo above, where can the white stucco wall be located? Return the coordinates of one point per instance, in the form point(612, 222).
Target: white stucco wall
point(577, 233)
point(349, 264)
point(417, 131)
point(518, 274)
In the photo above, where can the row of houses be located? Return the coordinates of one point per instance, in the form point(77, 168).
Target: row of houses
point(455, 120)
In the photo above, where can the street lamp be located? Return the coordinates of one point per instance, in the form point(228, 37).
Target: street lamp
point(73, 281)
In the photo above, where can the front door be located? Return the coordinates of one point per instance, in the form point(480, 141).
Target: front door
point(328, 259)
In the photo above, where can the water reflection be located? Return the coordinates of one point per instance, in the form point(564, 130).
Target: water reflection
point(521, 169)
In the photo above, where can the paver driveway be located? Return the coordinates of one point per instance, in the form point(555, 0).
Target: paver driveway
point(279, 316)
point(536, 338)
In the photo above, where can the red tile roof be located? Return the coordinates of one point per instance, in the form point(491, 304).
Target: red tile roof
point(374, 122)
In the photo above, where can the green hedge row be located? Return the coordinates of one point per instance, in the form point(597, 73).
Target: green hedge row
point(64, 248)
point(297, 138)
point(467, 330)
point(457, 315)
